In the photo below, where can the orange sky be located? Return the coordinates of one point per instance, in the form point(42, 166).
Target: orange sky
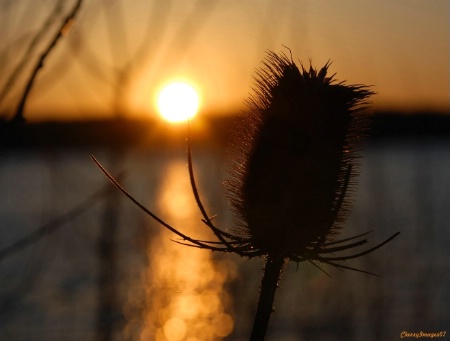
point(119, 52)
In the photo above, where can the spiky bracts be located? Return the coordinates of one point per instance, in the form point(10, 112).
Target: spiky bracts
point(294, 161)
point(297, 159)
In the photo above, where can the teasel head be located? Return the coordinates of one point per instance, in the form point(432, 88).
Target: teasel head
point(293, 167)
point(295, 159)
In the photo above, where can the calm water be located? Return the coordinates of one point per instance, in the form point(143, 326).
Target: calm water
point(50, 289)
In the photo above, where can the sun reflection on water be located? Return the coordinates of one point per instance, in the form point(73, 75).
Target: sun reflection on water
point(185, 296)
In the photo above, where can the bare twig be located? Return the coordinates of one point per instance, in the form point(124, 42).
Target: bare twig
point(54, 225)
point(269, 285)
point(31, 49)
point(18, 117)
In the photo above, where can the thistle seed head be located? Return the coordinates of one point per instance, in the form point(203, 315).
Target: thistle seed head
point(294, 156)
point(293, 165)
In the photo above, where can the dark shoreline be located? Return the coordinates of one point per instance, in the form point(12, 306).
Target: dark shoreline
point(149, 134)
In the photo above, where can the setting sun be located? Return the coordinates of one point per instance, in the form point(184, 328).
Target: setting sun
point(178, 102)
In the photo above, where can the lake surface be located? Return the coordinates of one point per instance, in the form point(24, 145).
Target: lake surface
point(107, 271)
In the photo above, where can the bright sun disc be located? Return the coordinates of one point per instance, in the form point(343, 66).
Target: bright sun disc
point(178, 102)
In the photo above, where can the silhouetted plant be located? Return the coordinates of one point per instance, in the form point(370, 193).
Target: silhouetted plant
point(295, 154)
point(65, 25)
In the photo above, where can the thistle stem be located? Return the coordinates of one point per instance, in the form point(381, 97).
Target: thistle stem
point(269, 284)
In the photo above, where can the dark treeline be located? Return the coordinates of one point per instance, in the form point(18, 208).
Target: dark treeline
point(154, 134)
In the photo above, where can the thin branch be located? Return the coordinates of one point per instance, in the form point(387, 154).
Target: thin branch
point(269, 285)
point(146, 210)
point(345, 240)
point(30, 50)
point(326, 259)
point(340, 267)
point(52, 226)
point(219, 233)
point(318, 267)
point(18, 117)
point(342, 247)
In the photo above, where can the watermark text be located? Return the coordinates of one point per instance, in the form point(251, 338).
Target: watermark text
point(422, 334)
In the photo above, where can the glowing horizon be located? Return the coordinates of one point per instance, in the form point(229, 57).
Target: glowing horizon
point(400, 47)
point(178, 101)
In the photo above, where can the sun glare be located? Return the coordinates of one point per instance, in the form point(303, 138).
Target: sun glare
point(178, 102)
point(185, 296)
